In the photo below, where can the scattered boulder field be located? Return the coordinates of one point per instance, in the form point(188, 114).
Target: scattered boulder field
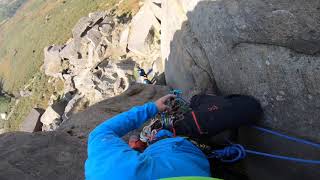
point(100, 60)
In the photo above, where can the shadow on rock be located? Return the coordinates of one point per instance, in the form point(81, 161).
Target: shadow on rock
point(269, 50)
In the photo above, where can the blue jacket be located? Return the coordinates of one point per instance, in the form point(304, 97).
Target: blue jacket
point(109, 157)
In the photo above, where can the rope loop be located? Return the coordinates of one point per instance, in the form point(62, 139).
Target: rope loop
point(229, 154)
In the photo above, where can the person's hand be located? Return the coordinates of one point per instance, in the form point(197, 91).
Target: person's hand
point(161, 103)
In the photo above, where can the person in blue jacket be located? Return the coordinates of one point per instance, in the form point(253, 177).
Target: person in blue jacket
point(109, 157)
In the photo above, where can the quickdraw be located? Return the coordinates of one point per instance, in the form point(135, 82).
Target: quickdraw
point(166, 120)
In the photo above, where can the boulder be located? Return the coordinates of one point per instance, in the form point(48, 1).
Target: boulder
point(50, 156)
point(69, 51)
point(85, 85)
point(68, 83)
point(101, 50)
point(94, 36)
point(86, 23)
point(105, 29)
point(52, 61)
point(77, 65)
point(51, 118)
point(72, 106)
point(142, 24)
point(107, 80)
point(32, 122)
point(82, 25)
point(82, 28)
point(269, 50)
point(93, 57)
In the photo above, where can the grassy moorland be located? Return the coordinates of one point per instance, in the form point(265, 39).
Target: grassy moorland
point(39, 23)
point(8, 8)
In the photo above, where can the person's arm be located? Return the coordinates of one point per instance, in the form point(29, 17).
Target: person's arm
point(106, 148)
point(124, 122)
point(107, 136)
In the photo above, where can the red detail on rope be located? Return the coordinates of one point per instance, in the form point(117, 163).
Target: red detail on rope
point(174, 132)
point(196, 121)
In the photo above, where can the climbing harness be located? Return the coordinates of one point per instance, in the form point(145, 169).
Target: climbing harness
point(236, 152)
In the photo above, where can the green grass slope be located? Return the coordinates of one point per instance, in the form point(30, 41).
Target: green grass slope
point(37, 24)
point(8, 8)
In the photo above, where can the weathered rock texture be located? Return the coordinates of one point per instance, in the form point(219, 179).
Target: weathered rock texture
point(143, 23)
point(52, 61)
point(95, 41)
point(32, 122)
point(52, 117)
point(43, 156)
point(100, 60)
point(79, 125)
point(58, 155)
point(268, 49)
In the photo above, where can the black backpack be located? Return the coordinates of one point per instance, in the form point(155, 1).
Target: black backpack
point(211, 115)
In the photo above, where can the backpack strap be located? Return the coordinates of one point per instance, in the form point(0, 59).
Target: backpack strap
point(194, 117)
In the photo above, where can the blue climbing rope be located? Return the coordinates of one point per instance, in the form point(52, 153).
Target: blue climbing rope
point(236, 152)
point(287, 137)
point(284, 157)
point(229, 154)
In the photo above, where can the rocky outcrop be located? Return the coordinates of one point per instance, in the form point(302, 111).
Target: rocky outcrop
point(143, 23)
point(80, 59)
point(49, 156)
point(52, 117)
point(89, 65)
point(52, 61)
point(32, 122)
point(99, 61)
point(107, 80)
point(80, 124)
point(267, 49)
point(61, 154)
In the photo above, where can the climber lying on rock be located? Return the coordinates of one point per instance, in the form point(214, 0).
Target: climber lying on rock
point(170, 153)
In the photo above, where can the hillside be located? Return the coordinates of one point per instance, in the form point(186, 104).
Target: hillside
point(22, 39)
point(8, 8)
point(74, 64)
